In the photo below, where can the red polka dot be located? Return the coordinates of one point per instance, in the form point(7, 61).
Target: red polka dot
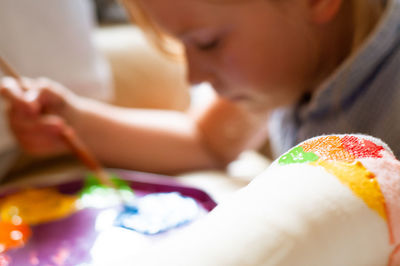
point(361, 148)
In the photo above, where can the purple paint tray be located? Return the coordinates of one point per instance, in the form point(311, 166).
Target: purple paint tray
point(73, 240)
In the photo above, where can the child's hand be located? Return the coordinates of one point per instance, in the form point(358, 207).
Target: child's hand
point(37, 110)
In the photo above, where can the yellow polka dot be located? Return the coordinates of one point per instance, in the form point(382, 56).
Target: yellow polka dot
point(362, 182)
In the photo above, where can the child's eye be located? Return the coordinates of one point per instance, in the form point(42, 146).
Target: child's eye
point(208, 45)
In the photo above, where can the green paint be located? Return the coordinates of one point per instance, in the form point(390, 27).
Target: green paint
point(93, 185)
point(97, 195)
point(297, 155)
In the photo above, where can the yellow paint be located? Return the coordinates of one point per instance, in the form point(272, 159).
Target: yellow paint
point(35, 206)
point(362, 182)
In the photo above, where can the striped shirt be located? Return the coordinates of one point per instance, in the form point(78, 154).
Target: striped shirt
point(361, 96)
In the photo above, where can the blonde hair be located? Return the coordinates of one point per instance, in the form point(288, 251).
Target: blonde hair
point(366, 14)
point(163, 42)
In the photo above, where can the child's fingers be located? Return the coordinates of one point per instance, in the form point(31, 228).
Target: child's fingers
point(21, 122)
point(40, 136)
point(53, 99)
point(53, 124)
point(20, 109)
point(12, 90)
point(30, 89)
point(37, 145)
point(31, 92)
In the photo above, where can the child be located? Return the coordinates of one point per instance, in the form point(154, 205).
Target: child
point(311, 66)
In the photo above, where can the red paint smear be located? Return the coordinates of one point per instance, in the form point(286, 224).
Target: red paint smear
point(4, 260)
point(361, 148)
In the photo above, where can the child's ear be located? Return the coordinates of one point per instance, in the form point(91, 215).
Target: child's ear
point(323, 11)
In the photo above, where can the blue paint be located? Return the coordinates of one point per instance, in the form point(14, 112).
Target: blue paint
point(130, 209)
point(158, 212)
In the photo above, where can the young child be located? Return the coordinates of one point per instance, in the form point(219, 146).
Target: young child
point(312, 66)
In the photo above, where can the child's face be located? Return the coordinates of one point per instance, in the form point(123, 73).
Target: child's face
point(260, 52)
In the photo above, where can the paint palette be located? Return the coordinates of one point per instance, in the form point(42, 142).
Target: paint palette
point(76, 234)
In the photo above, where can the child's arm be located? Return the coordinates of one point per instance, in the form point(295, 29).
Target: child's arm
point(150, 140)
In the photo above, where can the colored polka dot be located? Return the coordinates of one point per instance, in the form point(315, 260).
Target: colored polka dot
point(361, 148)
point(297, 155)
point(362, 182)
point(328, 148)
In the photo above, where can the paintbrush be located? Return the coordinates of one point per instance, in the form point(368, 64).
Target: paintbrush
point(70, 137)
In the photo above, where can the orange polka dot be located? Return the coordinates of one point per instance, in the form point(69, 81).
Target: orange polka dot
point(328, 148)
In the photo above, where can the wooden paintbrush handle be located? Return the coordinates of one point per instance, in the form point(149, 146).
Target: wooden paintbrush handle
point(83, 153)
point(79, 149)
point(8, 70)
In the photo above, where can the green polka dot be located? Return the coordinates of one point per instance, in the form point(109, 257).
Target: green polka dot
point(297, 155)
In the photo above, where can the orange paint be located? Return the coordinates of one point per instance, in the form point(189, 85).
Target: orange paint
point(328, 148)
point(362, 182)
point(13, 235)
point(35, 206)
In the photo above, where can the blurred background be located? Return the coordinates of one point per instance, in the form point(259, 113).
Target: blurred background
point(109, 11)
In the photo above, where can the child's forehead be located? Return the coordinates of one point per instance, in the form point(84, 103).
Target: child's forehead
point(180, 15)
point(177, 17)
